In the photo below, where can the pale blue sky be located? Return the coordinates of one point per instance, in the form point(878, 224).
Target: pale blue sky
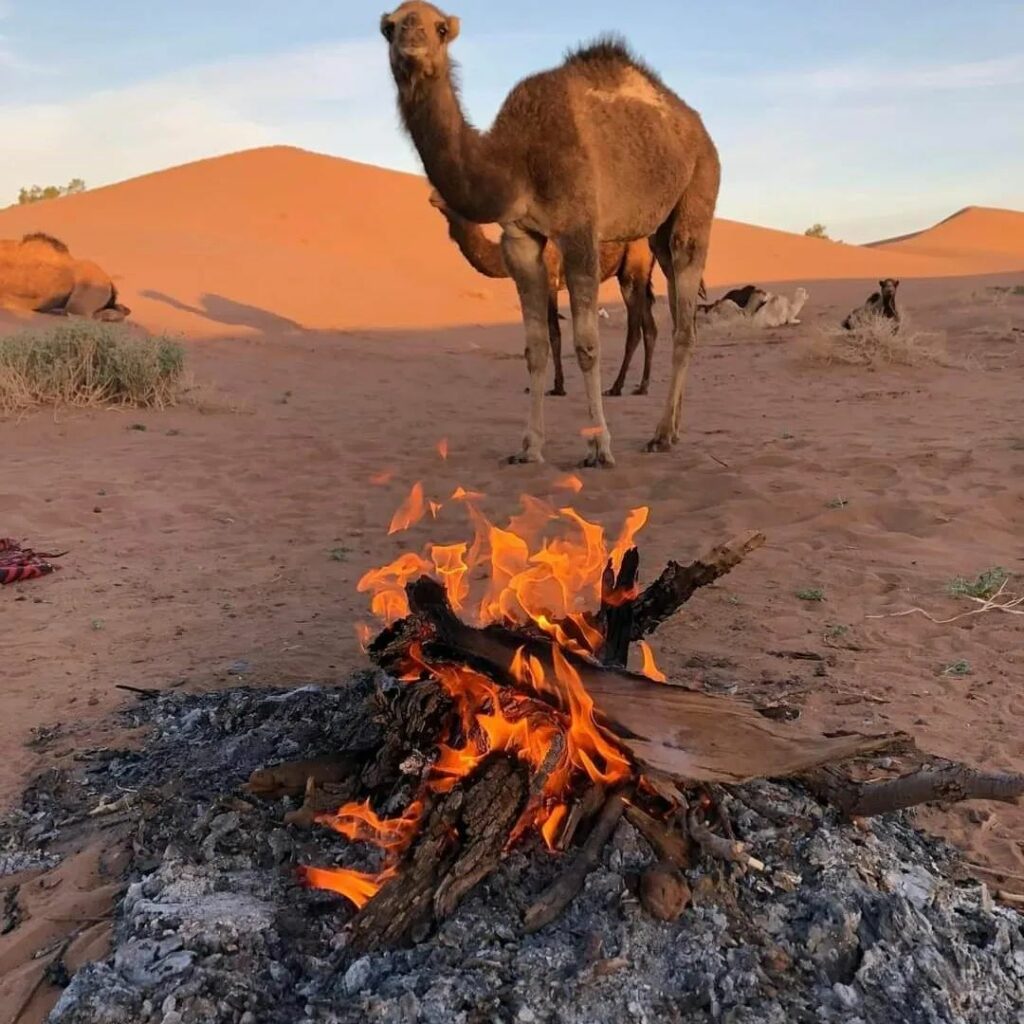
point(874, 118)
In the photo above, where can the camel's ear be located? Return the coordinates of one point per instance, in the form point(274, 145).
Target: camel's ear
point(896, 283)
point(881, 284)
point(453, 28)
point(387, 27)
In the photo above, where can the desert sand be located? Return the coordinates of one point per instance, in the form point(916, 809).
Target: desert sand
point(340, 336)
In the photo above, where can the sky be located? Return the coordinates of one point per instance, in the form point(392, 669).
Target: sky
point(872, 118)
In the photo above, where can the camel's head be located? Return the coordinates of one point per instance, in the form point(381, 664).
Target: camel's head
point(889, 286)
point(418, 35)
point(800, 295)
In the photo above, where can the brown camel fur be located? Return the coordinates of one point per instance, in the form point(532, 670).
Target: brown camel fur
point(38, 273)
point(597, 148)
point(632, 263)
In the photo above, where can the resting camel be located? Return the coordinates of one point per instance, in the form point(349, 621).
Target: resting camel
point(881, 303)
point(40, 274)
point(597, 148)
point(631, 263)
point(747, 300)
point(779, 310)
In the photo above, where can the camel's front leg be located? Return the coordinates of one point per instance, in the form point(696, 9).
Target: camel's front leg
point(523, 254)
point(579, 253)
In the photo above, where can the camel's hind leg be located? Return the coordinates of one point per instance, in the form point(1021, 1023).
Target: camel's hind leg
point(555, 336)
point(634, 329)
point(87, 298)
point(522, 253)
point(579, 253)
point(681, 245)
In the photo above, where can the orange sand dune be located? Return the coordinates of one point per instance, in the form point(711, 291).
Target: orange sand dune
point(279, 238)
point(976, 232)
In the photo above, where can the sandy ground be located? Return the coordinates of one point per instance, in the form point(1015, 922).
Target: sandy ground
point(222, 543)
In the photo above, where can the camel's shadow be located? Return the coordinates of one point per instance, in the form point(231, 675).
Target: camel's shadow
point(235, 314)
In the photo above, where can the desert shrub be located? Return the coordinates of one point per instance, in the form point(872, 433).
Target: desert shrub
point(985, 585)
point(37, 193)
point(87, 362)
point(817, 231)
point(875, 341)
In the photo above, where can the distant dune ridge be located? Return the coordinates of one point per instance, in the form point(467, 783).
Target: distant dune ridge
point(278, 239)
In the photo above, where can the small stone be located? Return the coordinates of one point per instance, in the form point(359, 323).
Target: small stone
point(172, 1018)
point(357, 977)
point(248, 1018)
point(526, 1015)
point(238, 668)
point(777, 961)
point(664, 892)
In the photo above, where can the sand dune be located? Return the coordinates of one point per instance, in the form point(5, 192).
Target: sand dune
point(975, 233)
point(269, 240)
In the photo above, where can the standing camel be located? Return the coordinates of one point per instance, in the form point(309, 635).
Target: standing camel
point(597, 148)
point(631, 263)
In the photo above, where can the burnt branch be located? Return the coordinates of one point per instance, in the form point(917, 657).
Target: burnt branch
point(947, 784)
point(618, 594)
point(678, 583)
point(562, 891)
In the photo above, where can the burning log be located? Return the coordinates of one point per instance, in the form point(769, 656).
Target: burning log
point(688, 734)
point(459, 844)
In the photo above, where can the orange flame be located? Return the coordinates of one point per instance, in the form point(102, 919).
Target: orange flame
point(571, 482)
point(650, 666)
point(357, 886)
point(410, 511)
point(381, 478)
point(442, 447)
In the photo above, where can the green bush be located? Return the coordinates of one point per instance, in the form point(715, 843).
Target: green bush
point(85, 363)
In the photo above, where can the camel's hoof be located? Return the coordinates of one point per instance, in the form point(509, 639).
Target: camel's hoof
point(658, 444)
point(640, 389)
point(596, 459)
point(613, 392)
point(522, 458)
point(558, 391)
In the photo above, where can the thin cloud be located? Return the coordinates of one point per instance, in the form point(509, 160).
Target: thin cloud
point(112, 134)
point(864, 77)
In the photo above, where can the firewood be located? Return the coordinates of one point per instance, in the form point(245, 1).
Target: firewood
point(677, 583)
point(581, 812)
point(291, 777)
point(668, 844)
point(618, 595)
point(719, 846)
point(945, 784)
point(563, 890)
point(459, 844)
point(686, 733)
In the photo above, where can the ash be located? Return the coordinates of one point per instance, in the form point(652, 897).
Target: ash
point(214, 928)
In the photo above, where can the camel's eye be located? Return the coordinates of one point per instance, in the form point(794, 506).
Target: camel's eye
point(442, 29)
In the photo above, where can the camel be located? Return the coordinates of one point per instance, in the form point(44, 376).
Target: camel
point(779, 310)
point(38, 273)
point(747, 300)
point(631, 263)
point(879, 304)
point(598, 148)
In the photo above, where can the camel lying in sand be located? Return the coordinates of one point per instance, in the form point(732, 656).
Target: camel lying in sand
point(632, 263)
point(39, 274)
point(778, 310)
point(879, 304)
point(746, 301)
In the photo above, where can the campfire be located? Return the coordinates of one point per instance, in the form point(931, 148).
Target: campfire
point(518, 717)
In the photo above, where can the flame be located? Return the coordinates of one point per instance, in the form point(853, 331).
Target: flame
point(381, 478)
point(435, 507)
point(544, 568)
point(442, 447)
point(650, 666)
point(357, 886)
point(364, 634)
point(571, 482)
point(591, 431)
point(410, 511)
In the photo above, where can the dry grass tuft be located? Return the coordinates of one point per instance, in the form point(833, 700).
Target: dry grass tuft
point(88, 363)
point(873, 342)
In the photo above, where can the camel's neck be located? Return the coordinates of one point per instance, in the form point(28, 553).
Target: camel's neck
point(482, 254)
point(456, 157)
